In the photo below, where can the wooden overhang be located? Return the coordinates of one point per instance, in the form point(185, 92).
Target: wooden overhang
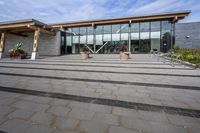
point(20, 27)
point(172, 16)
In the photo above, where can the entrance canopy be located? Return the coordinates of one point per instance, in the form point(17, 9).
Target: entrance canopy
point(20, 28)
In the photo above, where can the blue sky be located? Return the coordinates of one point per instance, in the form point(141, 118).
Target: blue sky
point(53, 11)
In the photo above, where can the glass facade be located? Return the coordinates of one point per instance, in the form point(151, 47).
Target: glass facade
point(140, 37)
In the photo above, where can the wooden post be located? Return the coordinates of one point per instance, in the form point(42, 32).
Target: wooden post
point(2, 43)
point(35, 44)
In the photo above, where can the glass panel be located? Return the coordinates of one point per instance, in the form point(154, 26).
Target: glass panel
point(75, 32)
point(116, 32)
point(166, 36)
point(90, 37)
point(89, 30)
point(107, 37)
point(124, 28)
point(107, 29)
point(144, 45)
point(155, 36)
point(99, 30)
point(83, 35)
point(124, 32)
point(135, 36)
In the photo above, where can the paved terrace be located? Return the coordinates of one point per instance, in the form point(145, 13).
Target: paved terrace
point(101, 95)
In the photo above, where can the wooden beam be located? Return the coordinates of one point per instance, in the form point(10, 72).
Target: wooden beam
point(18, 34)
point(36, 38)
point(42, 30)
point(2, 42)
point(9, 26)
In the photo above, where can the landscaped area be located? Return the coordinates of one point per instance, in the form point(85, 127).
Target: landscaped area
point(186, 54)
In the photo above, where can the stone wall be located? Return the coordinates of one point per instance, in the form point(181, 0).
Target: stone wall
point(187, 35)
point(48, 45)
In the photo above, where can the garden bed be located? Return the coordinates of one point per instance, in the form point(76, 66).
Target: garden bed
point(187, 56)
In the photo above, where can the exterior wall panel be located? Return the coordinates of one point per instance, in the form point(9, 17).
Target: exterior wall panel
point(187, 35)
point(48, 45)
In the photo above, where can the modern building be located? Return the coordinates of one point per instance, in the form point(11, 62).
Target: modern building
point(139, 33)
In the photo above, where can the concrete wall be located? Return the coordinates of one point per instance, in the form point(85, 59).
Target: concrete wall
point(48, 45)
point(185, 30)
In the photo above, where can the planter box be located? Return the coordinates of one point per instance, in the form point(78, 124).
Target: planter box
point(84, 55)
point(17, 57)
point(124, 55)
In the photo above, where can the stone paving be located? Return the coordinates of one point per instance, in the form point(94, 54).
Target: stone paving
point(66, 83)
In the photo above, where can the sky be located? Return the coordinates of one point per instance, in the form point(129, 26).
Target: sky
point(56, 11)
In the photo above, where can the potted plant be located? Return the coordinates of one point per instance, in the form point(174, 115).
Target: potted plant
point(124, 54)
point(17, 52)
point(84, 52)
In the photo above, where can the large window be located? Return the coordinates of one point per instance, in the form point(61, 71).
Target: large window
point(135, 37)
point(166, 36)
point(90, 36)
point(99, 35)
point(144, 36)
point(124, 32)
point(107, 33)
point(155, 35)
point(144, 45)
point(116, 32)
point(75, 32)
point(83, 33)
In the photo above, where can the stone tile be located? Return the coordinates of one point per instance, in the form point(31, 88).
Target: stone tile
point(153, 116)
point(15, 126)
point(30, 106)
point(93, 127)
point(166, 128)
point(42, 118)
point(39, 129)
point(106, 118)
point(100, 108)
point(81, 114)
point(6, 110)
point(63, 123)
point(79, 105)
point(60, 102)
point(135, 124)
point(183, 120)
point(21, 113)
point(125, 112)
point(59, 110)
point(116, 129)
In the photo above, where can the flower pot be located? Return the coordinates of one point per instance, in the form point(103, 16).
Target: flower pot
point(84, 55)
point(124, 55)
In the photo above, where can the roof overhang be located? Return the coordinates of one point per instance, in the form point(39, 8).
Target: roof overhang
point(19, 27)
point(172, 16)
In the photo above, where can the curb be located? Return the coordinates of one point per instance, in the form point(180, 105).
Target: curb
point(195, 66)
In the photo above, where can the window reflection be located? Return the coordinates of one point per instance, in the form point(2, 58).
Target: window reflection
point(155, 36)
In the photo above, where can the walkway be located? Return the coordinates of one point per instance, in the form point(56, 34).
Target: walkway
point(101, 95)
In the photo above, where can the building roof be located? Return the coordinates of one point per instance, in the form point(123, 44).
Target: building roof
point(26, 25)
point(151, 17)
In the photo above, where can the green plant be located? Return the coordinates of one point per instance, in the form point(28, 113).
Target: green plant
point(176, 47)
point(124, 48)
point(17, 51)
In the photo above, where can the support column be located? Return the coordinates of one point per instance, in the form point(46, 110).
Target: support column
point(2, 43)
point(35, 44)
point(129, 36)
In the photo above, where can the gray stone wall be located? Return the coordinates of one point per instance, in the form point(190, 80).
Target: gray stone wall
point(187, 35)
point(48, 45)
